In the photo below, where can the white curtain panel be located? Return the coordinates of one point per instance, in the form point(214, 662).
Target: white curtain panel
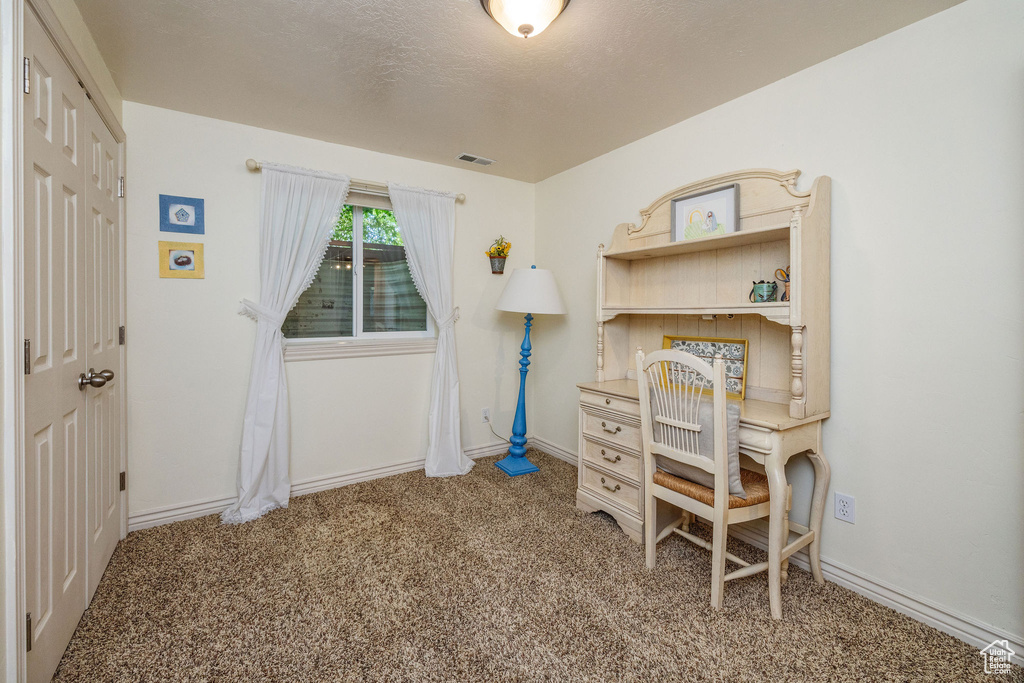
point(427, 221)
point(297, 215)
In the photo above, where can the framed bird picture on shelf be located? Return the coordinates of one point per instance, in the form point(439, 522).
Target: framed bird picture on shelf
point(708, 213)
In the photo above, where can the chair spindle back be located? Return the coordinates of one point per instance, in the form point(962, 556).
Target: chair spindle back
point(673, 385)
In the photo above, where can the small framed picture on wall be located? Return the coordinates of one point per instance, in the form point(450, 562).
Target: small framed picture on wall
point(182, 214)
point(183, 260)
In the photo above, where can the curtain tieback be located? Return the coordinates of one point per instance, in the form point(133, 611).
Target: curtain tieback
point(450, 320)
point(257, 312)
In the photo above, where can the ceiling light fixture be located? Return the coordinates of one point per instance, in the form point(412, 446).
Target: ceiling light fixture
point(524, 17)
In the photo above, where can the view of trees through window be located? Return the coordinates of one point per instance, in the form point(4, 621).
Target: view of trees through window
point(387, 299)
point(379, 226)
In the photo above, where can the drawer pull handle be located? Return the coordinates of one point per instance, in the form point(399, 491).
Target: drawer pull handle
point(615, 459)
point(613, 490)
point(607, 401)
point(617, 429)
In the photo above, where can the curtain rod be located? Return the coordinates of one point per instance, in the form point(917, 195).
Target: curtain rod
point(363, 186)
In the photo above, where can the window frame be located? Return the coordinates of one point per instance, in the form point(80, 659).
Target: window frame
point(362, 344)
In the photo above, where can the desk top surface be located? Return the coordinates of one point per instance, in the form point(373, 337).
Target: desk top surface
point(758, 413)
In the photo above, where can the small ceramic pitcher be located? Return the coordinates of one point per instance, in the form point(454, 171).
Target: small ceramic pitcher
point(763, 291)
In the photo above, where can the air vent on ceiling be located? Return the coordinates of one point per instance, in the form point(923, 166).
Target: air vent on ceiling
point(474, 159)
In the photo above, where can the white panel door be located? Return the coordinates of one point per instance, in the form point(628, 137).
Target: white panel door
point(103, 352)
point(55, 324)
point(72, 314)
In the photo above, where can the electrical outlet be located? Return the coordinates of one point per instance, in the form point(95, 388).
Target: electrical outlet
point(846, 508)
point(485, 415)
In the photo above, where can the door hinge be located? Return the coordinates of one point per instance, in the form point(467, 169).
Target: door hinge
point(120, 187)
point(26, 86)
point(121, 335)
point(28, 632)
point(124, 480)
point(28, 356)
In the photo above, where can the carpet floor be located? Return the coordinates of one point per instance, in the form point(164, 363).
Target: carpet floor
point(476, 578)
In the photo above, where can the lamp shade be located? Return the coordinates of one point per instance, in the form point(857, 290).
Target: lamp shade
point(531, 290)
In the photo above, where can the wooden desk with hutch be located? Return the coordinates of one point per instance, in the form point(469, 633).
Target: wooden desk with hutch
point(648, 286)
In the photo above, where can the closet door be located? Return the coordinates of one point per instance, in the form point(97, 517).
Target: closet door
point(55, 325)
point(103, 352)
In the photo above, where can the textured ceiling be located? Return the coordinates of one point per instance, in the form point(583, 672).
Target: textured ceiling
point(429, 79)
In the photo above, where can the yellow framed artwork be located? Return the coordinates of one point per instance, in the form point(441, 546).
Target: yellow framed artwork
point(182, 260)
point(734, 353)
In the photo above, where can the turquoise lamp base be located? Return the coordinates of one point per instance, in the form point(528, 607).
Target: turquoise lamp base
point(514, 465)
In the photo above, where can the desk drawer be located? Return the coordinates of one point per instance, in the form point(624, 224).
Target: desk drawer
point(626, 465)
point(614, 489)
point(756, 438)
point(612, 430)
point(612, 403)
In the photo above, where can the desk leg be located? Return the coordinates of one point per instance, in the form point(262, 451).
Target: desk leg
point(785, 531)
point(775, 469)
point(822, 475)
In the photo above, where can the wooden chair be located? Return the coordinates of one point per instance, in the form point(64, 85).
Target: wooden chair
point(672, 385)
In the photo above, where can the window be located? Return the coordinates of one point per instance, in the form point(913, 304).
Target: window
point(344, 309)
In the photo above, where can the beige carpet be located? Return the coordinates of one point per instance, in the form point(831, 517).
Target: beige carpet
point(477, 578)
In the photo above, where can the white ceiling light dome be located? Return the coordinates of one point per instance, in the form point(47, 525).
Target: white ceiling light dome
point(524, 17)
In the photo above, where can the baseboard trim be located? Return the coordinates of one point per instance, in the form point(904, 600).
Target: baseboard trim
point(333, 481)
point(553, 450)
point(968, 629)
point(176, 513)
point(487, 450)
point(211, 506)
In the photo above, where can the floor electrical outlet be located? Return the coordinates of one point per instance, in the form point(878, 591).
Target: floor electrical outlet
point(485, 415)
point(846, 508)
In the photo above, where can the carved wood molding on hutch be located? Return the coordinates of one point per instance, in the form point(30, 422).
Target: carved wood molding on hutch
point(649, 286)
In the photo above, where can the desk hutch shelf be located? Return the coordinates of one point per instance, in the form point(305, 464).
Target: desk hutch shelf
point(646, 283)
point(649, 287)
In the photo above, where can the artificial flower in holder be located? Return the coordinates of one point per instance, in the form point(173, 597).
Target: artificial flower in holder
point(498, 252)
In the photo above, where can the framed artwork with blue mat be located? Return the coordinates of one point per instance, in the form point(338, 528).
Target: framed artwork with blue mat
point(182, 214)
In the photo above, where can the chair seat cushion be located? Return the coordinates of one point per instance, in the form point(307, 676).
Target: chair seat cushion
point(754, 483)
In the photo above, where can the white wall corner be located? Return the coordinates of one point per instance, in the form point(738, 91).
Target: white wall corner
point(553, 450)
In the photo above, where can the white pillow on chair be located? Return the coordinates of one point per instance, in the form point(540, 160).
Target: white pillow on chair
point(706, 446)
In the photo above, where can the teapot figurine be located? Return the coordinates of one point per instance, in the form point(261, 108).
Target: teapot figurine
point(763, 292)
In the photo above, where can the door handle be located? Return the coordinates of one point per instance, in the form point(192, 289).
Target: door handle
point(94, 379)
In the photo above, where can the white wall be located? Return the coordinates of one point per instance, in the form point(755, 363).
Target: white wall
point(922, 132)
point(189, 353)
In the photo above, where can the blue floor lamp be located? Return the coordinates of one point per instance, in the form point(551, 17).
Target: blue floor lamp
point(529, 290)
